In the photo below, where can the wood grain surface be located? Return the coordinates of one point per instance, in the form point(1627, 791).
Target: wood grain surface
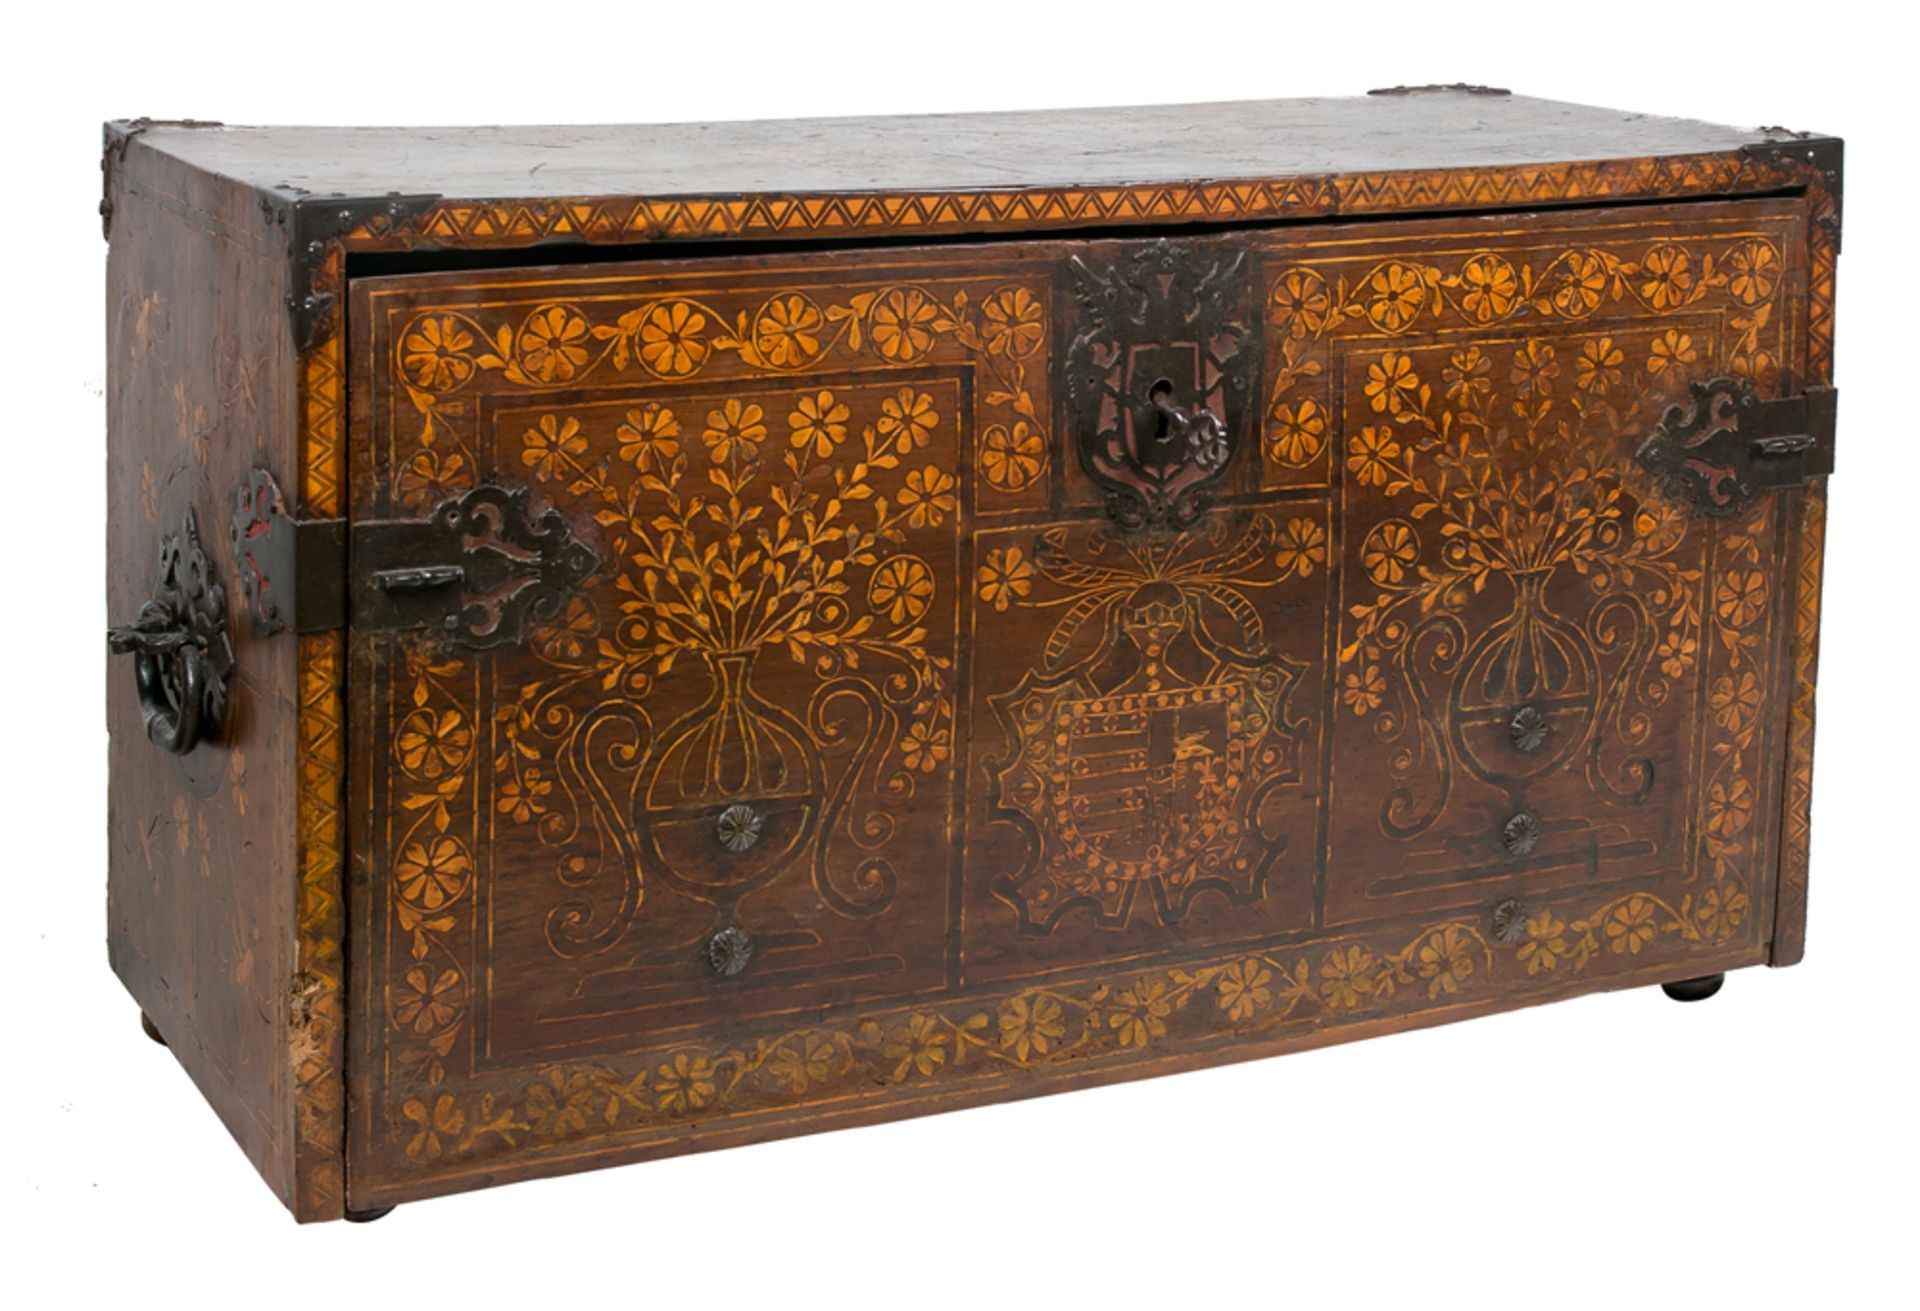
point(201, 847)
point(1426, 131)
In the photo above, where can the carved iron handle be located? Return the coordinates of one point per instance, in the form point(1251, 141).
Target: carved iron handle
point(738, 827)
point(181, 651)
point(1509, 922)
point(1528, 729)
point(729, 950)
point(1520, 834)
point(179, 694)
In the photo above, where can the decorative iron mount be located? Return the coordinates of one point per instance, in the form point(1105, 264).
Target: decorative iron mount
point(475, 570)
point(1808, 153)
point(1470, 88)
point(1725, 445)
point(1158, 377)
point(290, 569)
point(182, 653)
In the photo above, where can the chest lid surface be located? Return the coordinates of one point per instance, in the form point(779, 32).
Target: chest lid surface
point(333, 190)
point(1427, 128)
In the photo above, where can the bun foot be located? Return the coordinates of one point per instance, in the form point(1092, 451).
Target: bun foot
point(367, 1217)
point(148, 1027)
point(1694, 989)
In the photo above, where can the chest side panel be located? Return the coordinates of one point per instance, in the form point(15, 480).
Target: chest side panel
point(880, 764)
point(201, 845)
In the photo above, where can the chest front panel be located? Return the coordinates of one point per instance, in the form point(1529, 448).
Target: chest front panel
point(1436, 696)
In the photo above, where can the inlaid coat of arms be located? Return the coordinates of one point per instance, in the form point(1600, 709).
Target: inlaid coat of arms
point(1145, 740)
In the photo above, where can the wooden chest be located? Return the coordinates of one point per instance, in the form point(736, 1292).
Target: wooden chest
point(646, 639)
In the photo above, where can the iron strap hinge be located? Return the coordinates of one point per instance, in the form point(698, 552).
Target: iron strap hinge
point(1724, 445)
point(477, 570)
point(292, 571)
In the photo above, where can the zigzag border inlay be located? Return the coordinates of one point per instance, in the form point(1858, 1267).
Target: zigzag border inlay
point(469, 223)
point(1796, 818)
point(317, 1052)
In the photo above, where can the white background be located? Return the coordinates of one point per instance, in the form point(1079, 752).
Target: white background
point(1621, 1149)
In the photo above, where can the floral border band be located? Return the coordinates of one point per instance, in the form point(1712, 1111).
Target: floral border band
point(663, 1095)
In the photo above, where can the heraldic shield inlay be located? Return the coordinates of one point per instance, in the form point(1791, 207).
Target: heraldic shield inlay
point(1140, 763)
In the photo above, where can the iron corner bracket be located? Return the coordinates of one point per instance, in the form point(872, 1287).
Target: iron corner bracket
point(315, 226)
point(1823, 155)
point(116, 134)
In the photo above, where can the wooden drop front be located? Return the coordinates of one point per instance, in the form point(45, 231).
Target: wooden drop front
point(885, 674)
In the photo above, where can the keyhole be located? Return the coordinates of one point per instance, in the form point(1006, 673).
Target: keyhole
point(1160, 396)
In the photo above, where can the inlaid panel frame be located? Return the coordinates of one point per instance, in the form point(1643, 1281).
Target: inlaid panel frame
point(998, 319)
point(1755, 292)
